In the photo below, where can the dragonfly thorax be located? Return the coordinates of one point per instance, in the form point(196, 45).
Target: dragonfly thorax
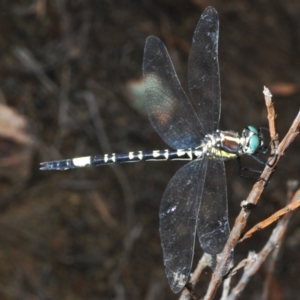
point(226, 145)
point(220, 145)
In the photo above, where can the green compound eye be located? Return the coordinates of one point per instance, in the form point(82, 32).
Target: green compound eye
point(254, 143)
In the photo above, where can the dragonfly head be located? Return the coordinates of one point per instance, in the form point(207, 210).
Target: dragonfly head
point(252, 140)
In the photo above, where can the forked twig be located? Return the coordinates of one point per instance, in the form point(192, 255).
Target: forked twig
point(265, 223)
point(252, 256)
point(278, 150)
point(273, 241)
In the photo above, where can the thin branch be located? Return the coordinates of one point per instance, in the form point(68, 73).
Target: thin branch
point(265, 223)
point(223, 264)
point(271, 118)
point(274, 240)
point(204, 262)
point(292, 185)
point(26, 57)
point(244, 263)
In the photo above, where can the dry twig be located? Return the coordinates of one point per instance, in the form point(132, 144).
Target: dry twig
point(204, 262)
point(277, 150)
point(274, 240)
point(261, 225)
point(292, 185)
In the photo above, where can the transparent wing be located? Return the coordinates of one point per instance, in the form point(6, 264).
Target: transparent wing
point(203, 72)
point(178, 221)
point(170, 111)
point(212, 225)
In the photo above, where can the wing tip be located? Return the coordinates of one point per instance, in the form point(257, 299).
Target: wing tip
point(152, 39)
point(177, 282)
point(210, 12)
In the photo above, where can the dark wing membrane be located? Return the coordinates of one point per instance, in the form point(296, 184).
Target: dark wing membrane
point(213, 227)
point(178, 221)
point(170, 111)
point(204, 79)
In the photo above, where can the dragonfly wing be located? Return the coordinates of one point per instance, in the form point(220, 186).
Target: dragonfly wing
point(203, 71)
point(178, 221)
point(170, 111)
point(212, 225)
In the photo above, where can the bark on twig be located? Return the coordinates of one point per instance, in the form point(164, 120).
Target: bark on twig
point(224, 261)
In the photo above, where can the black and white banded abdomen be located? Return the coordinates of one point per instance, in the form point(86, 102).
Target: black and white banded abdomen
point(117, 158)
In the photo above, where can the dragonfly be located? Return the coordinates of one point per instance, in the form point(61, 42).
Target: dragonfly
point(195, 200)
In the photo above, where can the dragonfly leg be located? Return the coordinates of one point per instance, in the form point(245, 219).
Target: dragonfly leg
point(241, 168)
point(258, 160)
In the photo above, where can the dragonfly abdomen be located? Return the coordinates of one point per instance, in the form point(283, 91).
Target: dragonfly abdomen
point(117, 158)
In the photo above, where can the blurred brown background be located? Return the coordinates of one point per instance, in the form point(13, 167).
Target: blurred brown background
point(71, 85)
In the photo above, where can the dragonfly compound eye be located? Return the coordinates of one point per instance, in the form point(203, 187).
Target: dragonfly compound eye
point(254, 139)
point(253, 144)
